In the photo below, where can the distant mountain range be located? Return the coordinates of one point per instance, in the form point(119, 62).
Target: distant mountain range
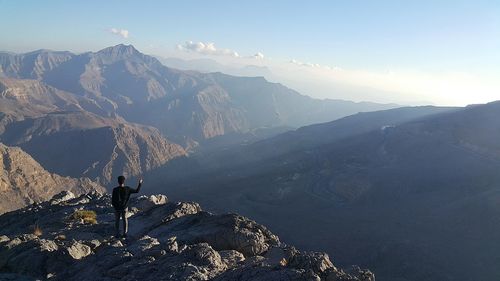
point(121, 111)
point(184, 105)
point(209, 65)
point(412, 193)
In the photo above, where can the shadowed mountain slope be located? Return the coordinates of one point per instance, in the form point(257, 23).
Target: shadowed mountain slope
point(420, 197)
point(243, 157)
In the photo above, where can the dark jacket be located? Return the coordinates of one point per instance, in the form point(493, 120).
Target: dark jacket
point(121, 196)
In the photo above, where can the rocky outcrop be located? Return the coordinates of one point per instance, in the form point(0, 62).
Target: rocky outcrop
point(23, 181)
point(167, 241)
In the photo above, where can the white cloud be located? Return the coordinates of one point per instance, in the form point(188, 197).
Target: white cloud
point(299, 63)
point(314, 65)
point(206, 49)
point(258, 56)
point(121, 32)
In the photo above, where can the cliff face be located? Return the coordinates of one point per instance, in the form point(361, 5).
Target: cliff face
point(167, 241)
point(23, 181)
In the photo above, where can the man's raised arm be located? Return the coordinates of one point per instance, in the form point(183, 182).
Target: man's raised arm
point(138, 187)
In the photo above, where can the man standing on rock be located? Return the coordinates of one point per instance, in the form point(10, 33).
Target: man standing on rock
point(121, 196)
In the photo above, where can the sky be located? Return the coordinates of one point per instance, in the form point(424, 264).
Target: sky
point(408, 52)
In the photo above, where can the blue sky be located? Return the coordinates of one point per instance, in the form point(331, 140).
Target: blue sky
point(431, 38)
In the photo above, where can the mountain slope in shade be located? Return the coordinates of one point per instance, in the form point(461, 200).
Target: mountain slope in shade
point(24, 181)
point(186, 106)
point(296, 141)
point(77, 143)
point(419, 197)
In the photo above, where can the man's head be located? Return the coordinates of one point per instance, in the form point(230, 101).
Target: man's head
point(121, 180)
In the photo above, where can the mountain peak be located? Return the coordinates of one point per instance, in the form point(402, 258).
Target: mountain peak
point(120, 50)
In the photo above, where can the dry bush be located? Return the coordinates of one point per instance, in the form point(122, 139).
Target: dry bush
point(37, 230)
point(87, 216)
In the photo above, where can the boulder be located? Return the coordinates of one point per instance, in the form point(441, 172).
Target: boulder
point(62, 197)
point(144, 203)
point(317, 262)
point(78, 250)
point(231, 257)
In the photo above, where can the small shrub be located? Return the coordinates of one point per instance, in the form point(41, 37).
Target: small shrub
point(89, 217)
point(37, 230)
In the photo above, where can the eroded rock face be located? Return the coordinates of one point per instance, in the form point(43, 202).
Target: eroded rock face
point(167, 241)
point(24, 181)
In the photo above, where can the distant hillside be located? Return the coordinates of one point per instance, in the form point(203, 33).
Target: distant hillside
point(23, 181)
point(209, 65)
point(265, 152)
point(419, 195)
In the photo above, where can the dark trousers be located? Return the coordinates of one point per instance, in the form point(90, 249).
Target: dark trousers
point(123, 215)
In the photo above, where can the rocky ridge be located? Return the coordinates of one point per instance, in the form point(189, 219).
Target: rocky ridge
point(167, 241)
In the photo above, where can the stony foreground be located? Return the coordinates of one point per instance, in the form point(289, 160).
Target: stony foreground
point(167, 241)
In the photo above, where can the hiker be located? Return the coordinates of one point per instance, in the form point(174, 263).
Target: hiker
point(121, 195)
